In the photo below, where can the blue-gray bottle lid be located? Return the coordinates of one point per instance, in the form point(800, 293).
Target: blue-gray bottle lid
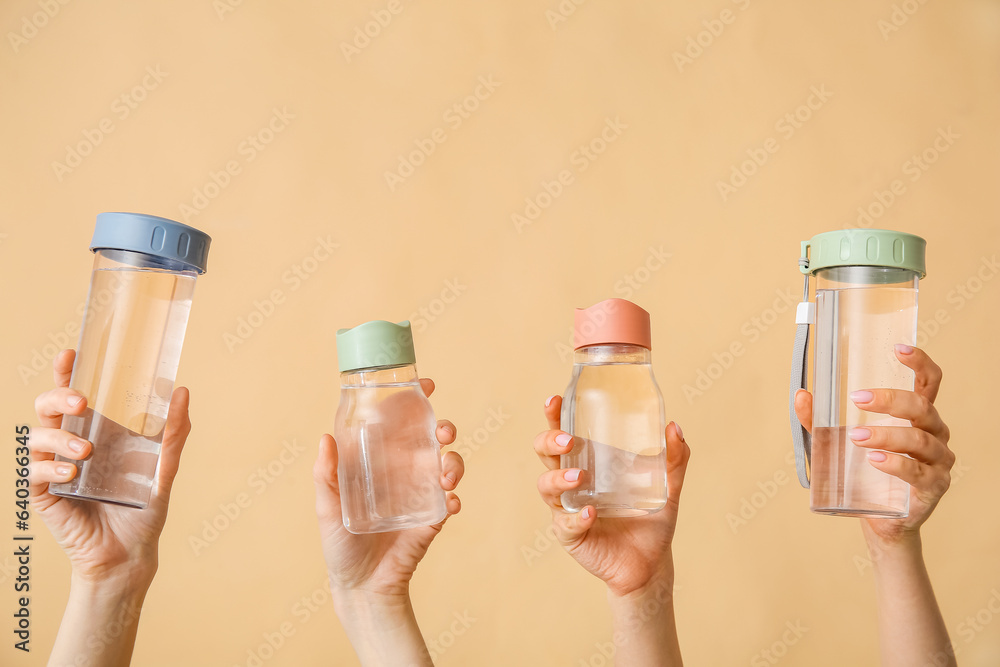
point(152, 235)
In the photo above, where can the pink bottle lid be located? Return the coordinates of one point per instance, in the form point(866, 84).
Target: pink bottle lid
point(612, 321)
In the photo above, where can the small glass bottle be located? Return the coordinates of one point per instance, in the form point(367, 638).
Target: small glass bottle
point(389, 457)
point(614, 410)
point(141, 289)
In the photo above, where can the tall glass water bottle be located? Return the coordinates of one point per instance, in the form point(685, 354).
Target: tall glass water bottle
point(389, 458)
point(614, 410)
point(141, 288)
point(866, 303)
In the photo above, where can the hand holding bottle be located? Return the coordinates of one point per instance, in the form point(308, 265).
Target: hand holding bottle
point(112, 549)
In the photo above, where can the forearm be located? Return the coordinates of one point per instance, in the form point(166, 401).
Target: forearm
point(382, 629)
point(100, 623)
point(643, 627)
point(911, 629)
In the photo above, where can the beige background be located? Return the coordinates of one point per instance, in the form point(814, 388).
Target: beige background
point(497, 345)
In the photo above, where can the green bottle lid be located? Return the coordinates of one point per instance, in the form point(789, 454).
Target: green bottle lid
point(863, 247)
point(375, 344)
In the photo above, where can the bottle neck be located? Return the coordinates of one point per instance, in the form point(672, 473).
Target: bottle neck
point(382, 375)
point(612, 354)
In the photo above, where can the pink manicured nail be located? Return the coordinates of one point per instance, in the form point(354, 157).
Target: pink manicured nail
point(859, 434)
point(77, 445)
point(563, 439)
point(903, 349)
point(585, 513)
point(63, 470)
point(548, 401)
point(680, 433)
point(572, 475)
point(73, 401)
point(862, 396)
point(877, 457)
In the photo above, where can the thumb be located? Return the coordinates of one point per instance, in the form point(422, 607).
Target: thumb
point(571, 528)
point(175, 434)
point(804, 409)
point(325, 478)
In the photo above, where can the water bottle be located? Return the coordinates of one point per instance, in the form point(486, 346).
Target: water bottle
point(866, 302)
point(389, 458)
point(614, 410)
point(137, 310)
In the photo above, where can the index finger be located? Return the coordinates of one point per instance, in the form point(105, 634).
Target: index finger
point(927, 374)
point(62, 367)
point(553, 407)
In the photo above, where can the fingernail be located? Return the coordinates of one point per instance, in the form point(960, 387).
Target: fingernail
point(680, 433)
point(571, 475)
point(77, 445)
point(585, 513)
point(74, 401)
point(63, 470)
point(563, 439)
point(548, 400)
point(859, 434)
point(903, 349)
point(877, 457)
point(862, 396)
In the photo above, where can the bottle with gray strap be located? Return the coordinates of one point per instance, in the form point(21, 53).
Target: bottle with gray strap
point(141, 288)
point(866, 302)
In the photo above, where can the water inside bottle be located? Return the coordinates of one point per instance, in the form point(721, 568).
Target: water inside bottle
point(856, 331)
point(615, 412)
point(390, 462)
point(121, 466)
point(126, 365)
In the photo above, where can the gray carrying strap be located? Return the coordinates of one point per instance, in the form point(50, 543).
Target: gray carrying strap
point(802, 441)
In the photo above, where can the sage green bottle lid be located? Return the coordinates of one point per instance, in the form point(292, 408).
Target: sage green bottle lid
point(375, 344)
point(863, 247)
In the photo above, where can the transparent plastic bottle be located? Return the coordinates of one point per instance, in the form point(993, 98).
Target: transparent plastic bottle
point(141, 289)
point(614, 409)
point(389, 457)
point(866, 302)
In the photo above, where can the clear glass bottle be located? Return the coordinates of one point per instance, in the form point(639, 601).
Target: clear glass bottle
point(866, 303)
point(389, 457)
point(614, 409)
point(141, 289)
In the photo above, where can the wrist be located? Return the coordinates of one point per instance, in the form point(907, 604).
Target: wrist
point(904, 545)
point(123, 585)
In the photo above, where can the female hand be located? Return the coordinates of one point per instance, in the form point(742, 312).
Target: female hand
point(103, 541)
point(379, 563)
point(627, 554)
point(927, 463)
